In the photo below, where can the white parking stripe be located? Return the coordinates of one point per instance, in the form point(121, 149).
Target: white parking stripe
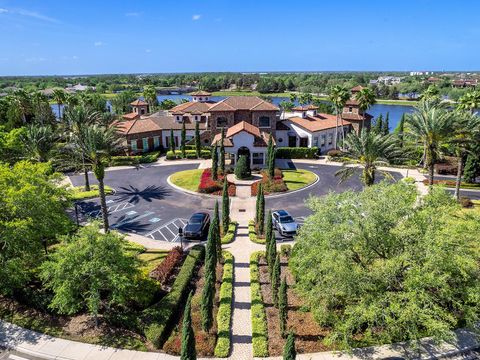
point(16, 357)
point(132, 219)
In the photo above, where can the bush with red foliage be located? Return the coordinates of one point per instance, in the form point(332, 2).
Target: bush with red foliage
point(270, 185)
point(209, 186)
point(163, 272)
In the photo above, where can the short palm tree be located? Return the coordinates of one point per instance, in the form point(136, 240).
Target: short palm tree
point(150, 95)
point(370, 150)
point(466, 132)
point(365, 98)
point(429, 125)
point(338, 96)
point(470, 101)
point(431, 94)
point(59, 97)
point(38, 142)
point(97, 143)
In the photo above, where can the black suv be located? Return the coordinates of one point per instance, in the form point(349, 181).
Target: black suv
point(197, 226)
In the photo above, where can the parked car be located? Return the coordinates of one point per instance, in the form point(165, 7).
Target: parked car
point(284, 223)
point(197, 226)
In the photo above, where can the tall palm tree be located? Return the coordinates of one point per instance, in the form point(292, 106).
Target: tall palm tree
point(59, 97)
point(429, 125)
point(71, 100)
point(150, 95)
point(431, 94)
point(466, 132)
point(97, 143)
point(338, 96)
point(470, 101)
point(370, 150)
point(38, 142)
point(365, 98)
point(20, 105)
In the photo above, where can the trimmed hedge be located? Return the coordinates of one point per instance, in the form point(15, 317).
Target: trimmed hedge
point(190, 154)
point(228, 238)
point(78, 194)
point(296, 152)
point(252, 233)
point(259, 317)
point(159, 317)
point(224, 314)
point(134, 159)
point(286, 250)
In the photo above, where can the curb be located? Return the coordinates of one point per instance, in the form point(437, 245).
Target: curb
point(317, 179)
point(189, 192)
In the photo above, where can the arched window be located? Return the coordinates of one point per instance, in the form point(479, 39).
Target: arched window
point(222, 122)
point(264, 121)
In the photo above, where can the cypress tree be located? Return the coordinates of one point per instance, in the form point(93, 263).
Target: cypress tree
point(268, 231)
point(275, 280)
point(218, 238)
point(289, 352)
point(225, 207)
point(270, 158)
point(472, 165)
point(260, 216)
point(183, 141)
point(222, 153)
point(198, 146)
point(386, 125)
point(283, 306)
point(242, 168)
point(208, 293)
point(399, 130)
point(188, 351)
point(172, 141)
point(378, 124)
point(272, 253)
point(215, 162)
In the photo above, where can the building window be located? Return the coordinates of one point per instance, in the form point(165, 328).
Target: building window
point(222, 122)
point(205, 141)
point(315, 141)
point(156, 142)
point(350, 109)
point(145, 144)
point(322, 140)
point(264, 121)
point(143, 111)
point(196, 117)
point(257, 158)
point(280, 140)
point(178, 118)
point(330, 139)
point(133, 145)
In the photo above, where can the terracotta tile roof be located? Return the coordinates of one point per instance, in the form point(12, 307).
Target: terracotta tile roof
point(356, 88)
point(356, 117)
point(260, 137)
point(192, 106)
point(317, 123)
point(243, 126)
point(352, 102)
point(200, 93)
point(123, 127)
point(166, 122)
point(131, 116)
point(305, 108)
point(138, 102)
point(252, 103)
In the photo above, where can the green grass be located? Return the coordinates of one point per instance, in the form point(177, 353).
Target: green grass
point(187, 179)
point(297, 179)
point(224, 314)
point(151, 258)
point(78, 193)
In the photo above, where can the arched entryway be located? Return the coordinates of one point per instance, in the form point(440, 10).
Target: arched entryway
point(244, 151)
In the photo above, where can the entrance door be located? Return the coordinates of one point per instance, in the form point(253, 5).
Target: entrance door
point(292, 141)
point(245, 152)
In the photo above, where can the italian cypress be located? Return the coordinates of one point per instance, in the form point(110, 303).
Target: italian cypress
point(188, 351)
point(208, 293)
point(183, 141)
point(198, 146)
point(260, 216)
point(275, 280)
point(272, 253)
point(270, 158)
point(378, 124)
point(400, 130)
point(268, 231)
point(172, 141)
point(472, 166)
point(218, 238)
point(222, 153)
point(215, 162)
point(386, 125)
point(289, 352)
point(283, 306)
point(225, 207)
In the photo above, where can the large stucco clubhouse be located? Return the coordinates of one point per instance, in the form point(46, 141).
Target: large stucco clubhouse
point(248, 123)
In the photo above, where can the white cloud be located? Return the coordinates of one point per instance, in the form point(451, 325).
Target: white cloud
point(98, 43)
point(133, 14)
point(2, 10)
point(148, 50)
point(196, 17)
point(34, 15)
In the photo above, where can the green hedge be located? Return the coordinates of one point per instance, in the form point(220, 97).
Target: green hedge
point(296, 152)
point(252, 233)
point(224, 314)
point(228, 238)
point(158, 318)
point(134, 159)
point(78, 194)
point(259, 317)
point(190, 154)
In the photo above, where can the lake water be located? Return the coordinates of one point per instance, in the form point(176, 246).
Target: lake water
point(395, 111)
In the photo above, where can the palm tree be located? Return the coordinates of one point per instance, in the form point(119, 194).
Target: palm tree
point(370, 150)
point(71, 100)
point(466, 132)
point(59, 97)
point(38, 142)
point(431, 94)
point(365, 98)
point(470, 101)
point(429, 125)
point(338, 96)
point(150, 95)
point(97, 143)
point(20, 105)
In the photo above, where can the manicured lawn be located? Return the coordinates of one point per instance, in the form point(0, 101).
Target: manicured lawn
point(78, 193)
point(151, 258)
point(187, 179)
point(296, 179)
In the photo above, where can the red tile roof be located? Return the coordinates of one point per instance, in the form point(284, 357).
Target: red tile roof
point(138, 102)
point(356, 88)
point(191, 106)
point(356, 117)
point(305, 108)
point(260, 137)
point(252, 103)
point(317, 123)
point(200, 93)
point(131, 116)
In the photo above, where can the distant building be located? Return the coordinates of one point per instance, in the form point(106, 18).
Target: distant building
point(387, 80)
point(464, 83)
point(420, 73)
point(79, 87)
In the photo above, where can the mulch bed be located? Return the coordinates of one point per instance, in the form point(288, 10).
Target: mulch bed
point(270, 185)
point(308, 333)
point(204, 342)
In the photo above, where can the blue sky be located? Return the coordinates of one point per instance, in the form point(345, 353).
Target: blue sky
point(104, 36)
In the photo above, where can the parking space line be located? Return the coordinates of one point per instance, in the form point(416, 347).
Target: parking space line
point(131, 219)
point(165, 231)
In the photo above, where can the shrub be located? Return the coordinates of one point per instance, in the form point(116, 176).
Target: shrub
point(189, 154)
point(134, 159)
point(228, 238)
point(242, 169)
point(259, 317)
point(78, 193)
point(224, 314)
point(209, 186)
point(158, 318)
point(164, 270)
point(286, 250)
point(409, 180)
point(466, 202)
point(252, 233)
point(296, 153)
point(270, 185)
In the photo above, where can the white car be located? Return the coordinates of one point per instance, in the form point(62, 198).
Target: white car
point(284, 223)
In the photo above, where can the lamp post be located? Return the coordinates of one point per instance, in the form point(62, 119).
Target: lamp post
point(180, 235)
point(76, 214)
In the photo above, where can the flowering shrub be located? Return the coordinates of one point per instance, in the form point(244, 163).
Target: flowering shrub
point(270, 185)
point(164, 270)
point(209, 186)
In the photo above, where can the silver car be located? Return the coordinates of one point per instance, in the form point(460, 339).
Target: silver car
point(284, 223)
